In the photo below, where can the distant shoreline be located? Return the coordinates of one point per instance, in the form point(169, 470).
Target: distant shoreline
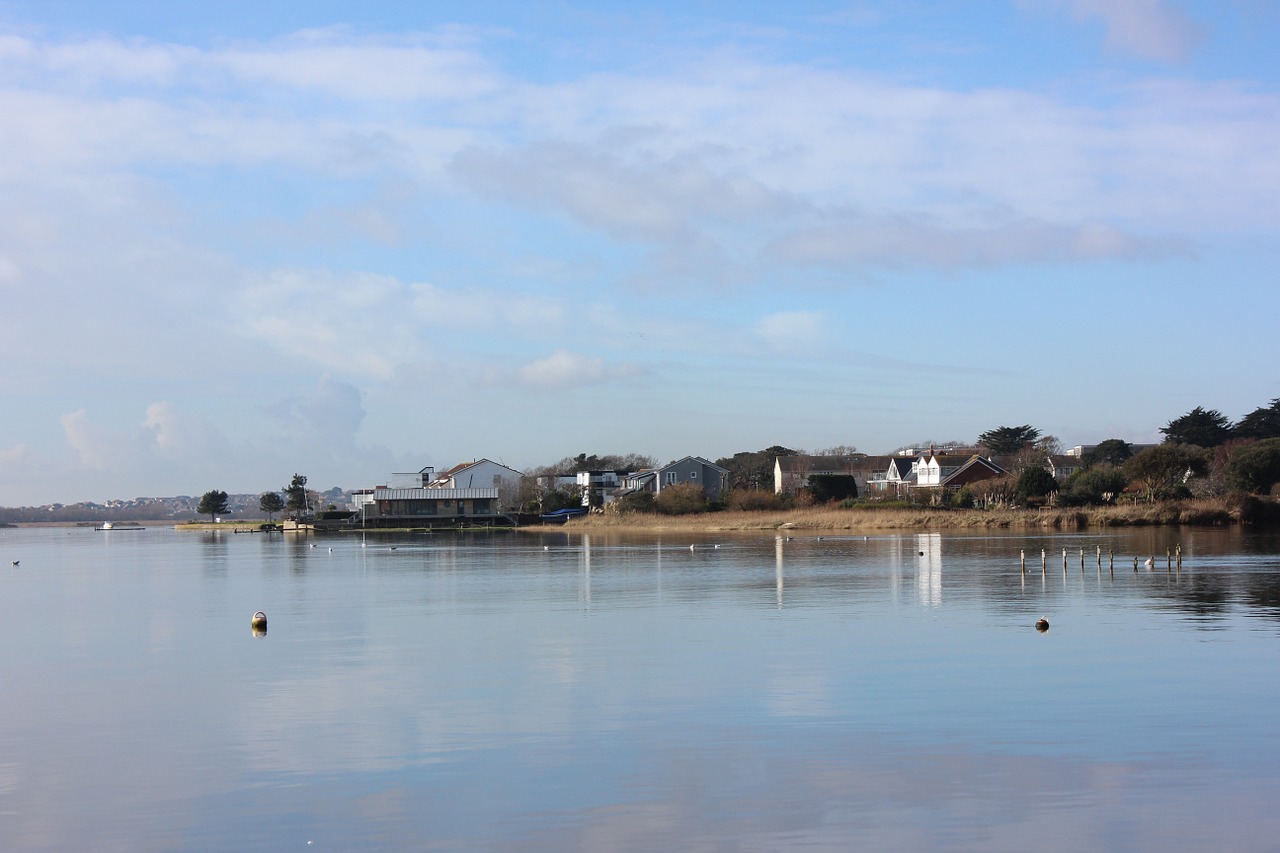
point(1216, 512)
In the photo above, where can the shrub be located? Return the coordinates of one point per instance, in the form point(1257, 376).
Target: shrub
point(832, 487)
point(963, 499)
point(681, 499)
point(756, 500)
point(635, 502)
point(1034, 482)
point(1100, 484)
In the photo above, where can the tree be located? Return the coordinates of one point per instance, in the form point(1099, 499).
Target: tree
point(212, 503)
point(1256, 468)
point(1260, 423)
point(1005, 440)
point(296, 491)
point(1201, 427)
point(1034, 483)
point(1162, 471)
point(749, 470)
point(270, 503)
point(1113, 451)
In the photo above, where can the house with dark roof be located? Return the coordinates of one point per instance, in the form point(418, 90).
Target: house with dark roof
point(713, 479)
point(897, 478)
point(792, 473)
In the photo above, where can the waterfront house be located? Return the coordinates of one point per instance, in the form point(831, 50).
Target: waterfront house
point(713, 479)
point(792, 473)
point(482, 474)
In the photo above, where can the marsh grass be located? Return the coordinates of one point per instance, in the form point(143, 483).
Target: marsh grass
point(1203, 511)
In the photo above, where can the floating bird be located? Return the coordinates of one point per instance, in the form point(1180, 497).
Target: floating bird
point(1150, 561)
point(1042, 624)
point(330, 550)
point(259, 621)
point(690, 547)
point(15, 562)
point(313, 544)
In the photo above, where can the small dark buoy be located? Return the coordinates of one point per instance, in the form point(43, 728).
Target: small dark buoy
point(259, 621)
point(1042, 624)
point(921, 553)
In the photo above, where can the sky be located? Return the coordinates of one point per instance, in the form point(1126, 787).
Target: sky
point(240, 241)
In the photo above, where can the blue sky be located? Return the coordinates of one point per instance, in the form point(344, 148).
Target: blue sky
point(242, 240)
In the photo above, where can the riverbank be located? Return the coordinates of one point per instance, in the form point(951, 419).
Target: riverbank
point(1235, 509)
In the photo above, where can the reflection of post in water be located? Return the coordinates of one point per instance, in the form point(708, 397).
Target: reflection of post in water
point(584, 594)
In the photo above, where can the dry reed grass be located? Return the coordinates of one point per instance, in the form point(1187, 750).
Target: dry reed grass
point(1205, 511)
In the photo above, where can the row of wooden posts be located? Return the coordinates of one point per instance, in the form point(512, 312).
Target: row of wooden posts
point(1170, 557)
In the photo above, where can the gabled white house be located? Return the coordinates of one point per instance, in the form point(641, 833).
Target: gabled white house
point(482, 474)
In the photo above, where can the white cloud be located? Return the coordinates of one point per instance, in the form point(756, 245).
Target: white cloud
point(564, 369)
point(918, 241)
point(790, 331)
point(1149, 29)
point(362, 69)
point(360, 323)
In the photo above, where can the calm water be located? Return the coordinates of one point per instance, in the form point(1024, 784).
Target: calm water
point(556, 692)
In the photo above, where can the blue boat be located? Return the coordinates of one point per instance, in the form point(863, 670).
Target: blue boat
point(562, 515)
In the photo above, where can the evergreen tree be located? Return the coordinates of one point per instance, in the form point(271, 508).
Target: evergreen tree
point(296, 492)
point(1005, 440)
point(270, 503)
point(212, 503)
point(1260, 423)
point(1201, 427)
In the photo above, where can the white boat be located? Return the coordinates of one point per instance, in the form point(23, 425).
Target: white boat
point(106, 525)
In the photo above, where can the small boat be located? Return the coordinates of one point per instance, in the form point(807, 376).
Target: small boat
point(106, 525)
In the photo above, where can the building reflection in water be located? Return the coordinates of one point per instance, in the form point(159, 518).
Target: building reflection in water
point(929, 568)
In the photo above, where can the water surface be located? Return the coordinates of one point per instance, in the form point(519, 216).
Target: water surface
point(546, 691)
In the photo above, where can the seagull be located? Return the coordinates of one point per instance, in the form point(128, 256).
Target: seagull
point(330, 550)
point(1151, 561)
point(15, 562)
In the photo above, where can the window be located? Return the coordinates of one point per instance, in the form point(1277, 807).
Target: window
point(671, 478)
point(693, 475)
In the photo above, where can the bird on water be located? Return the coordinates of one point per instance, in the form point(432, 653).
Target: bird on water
point(1042, 624)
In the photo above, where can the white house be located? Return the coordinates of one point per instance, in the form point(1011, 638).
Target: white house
point(482, 474)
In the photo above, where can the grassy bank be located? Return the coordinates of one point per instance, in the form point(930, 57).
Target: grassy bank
point(1207, 511)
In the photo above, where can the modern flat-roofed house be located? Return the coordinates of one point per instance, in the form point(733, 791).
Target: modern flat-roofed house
point(434, 507)
point(599, 487)
point(1062, 467)
point(792, 473)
